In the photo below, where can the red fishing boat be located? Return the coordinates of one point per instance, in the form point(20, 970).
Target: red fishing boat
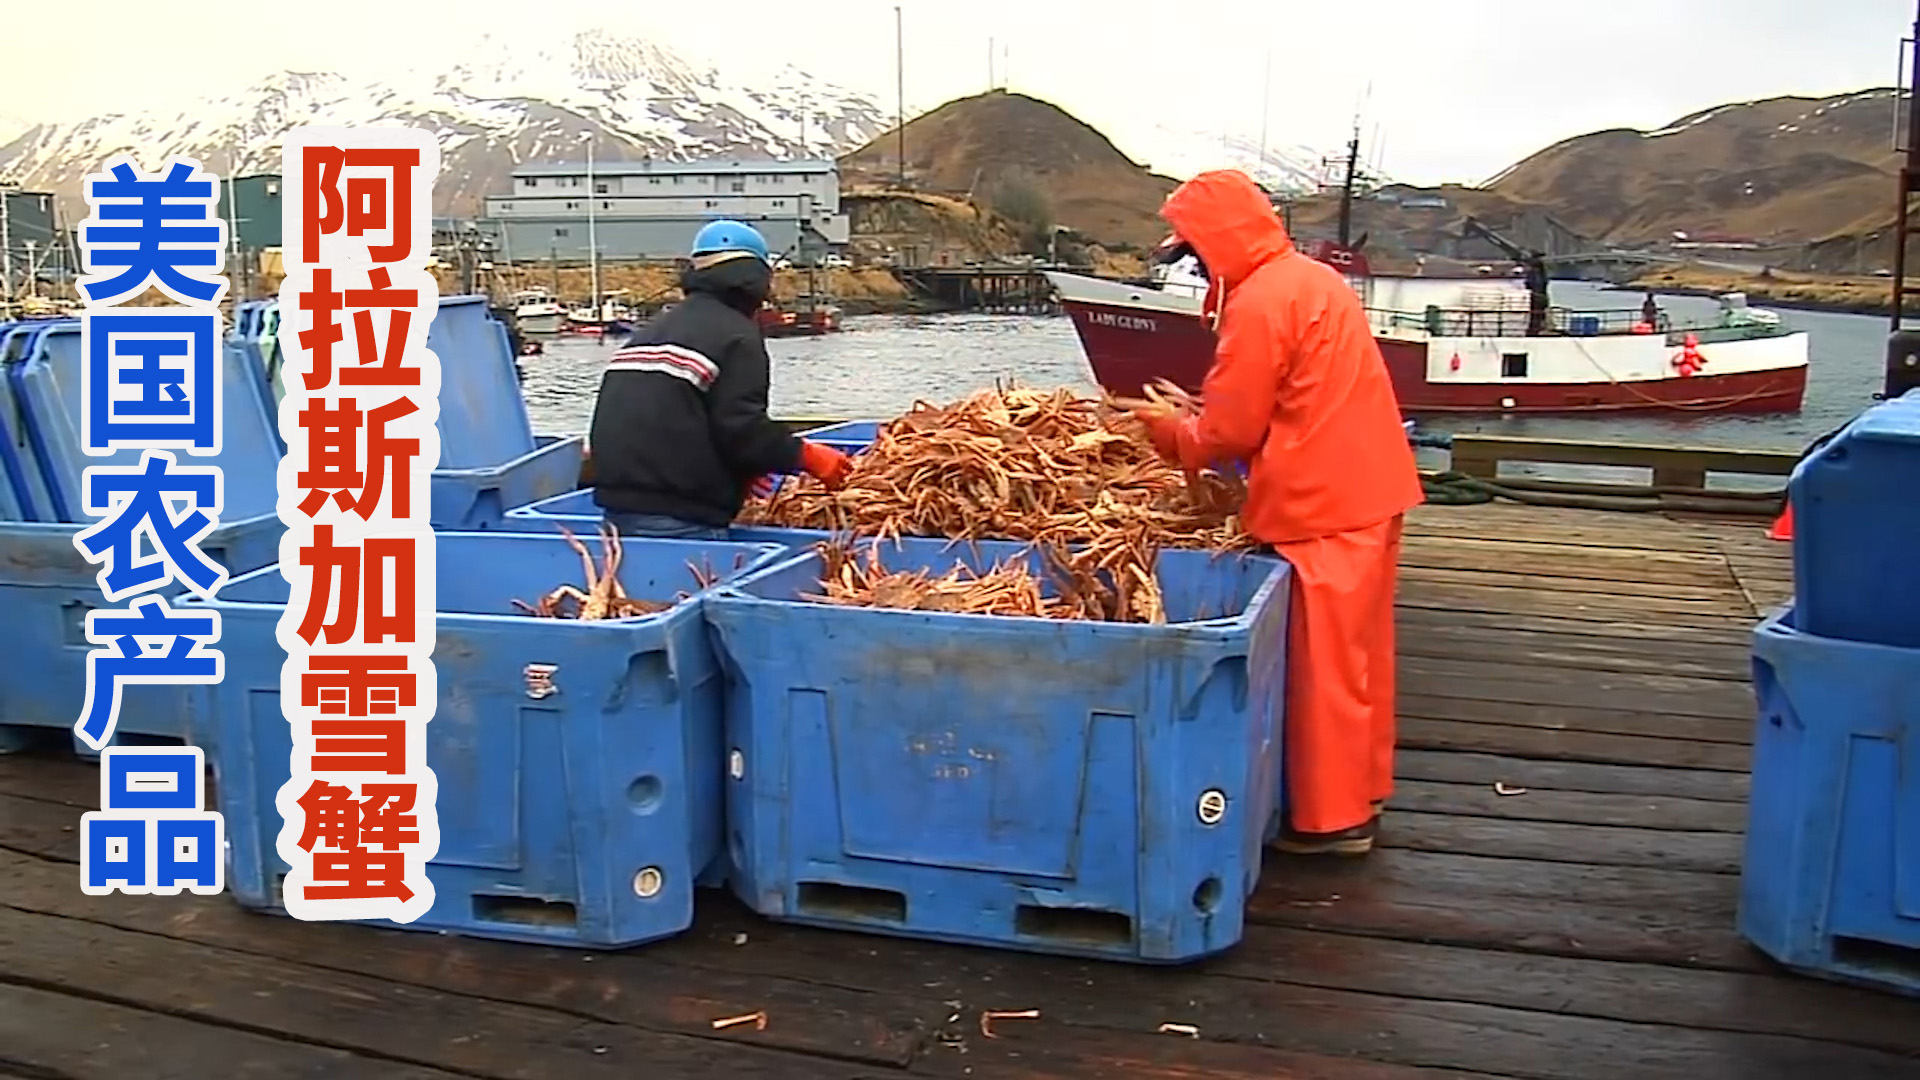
point(803, 319)
point(1479, 344)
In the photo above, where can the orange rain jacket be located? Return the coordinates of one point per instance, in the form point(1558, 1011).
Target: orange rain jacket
point(1297, 388)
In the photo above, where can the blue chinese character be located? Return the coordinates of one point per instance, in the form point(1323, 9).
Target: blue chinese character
point(152, 379)
point(152, 834)
point(177, 657)
point(150, 250)
point(135, 501)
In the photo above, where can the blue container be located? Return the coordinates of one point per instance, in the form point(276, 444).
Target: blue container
point(490, 460)
point(478, 499)
point(552, 804)
point(47, 588)
point(1856, 529)
point(579, 514)
point(848, 433)
point(1067, 787)
point(1831, 882)
point(1584, 325)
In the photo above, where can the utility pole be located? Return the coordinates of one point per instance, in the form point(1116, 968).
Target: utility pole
point(233, 224)
point(1903, 345)
point(991, 84)
point(6, 248)
point(900, 92)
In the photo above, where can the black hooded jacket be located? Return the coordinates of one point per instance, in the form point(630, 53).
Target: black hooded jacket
point(681, 427)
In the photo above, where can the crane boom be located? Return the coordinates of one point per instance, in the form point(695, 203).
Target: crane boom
point(1533, 262)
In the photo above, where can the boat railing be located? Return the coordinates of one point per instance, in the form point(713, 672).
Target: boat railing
point(1513, 322)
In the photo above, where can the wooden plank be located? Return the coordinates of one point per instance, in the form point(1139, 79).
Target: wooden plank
point(53, 1036)
point(1562, 561)
point(1548, 745)
point(368, 1016)
point(1555, 652)
point(1552, 841)
point(1432, 619)
point(623, 989)
point(1417, 700)
point(1564, 909)
point(1270, 999)
point(412, 968)
point(1650, 994)
point(60, 778)
point(1730, 617)
point(1563, 525)
point(1527, 449)
point(1538, 775)
point(1497, 680)
point(1703, 593)
point(1662, 812)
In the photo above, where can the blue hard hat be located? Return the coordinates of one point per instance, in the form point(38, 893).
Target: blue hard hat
point(716, 237)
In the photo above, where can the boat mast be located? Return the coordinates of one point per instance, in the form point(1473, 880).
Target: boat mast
point(1346, 189)
point(593, 241)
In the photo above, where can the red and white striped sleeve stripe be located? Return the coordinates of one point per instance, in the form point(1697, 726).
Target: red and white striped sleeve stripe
point(674, 360)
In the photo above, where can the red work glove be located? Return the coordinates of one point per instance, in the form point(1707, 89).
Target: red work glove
point(1164, 431)
point(825, 464)
point(761, 487)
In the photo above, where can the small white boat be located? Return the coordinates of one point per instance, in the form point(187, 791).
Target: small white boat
point(535, 311)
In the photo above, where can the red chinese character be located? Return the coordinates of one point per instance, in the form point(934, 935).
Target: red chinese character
point(333, 457)
point(371, 202)
point(321, 299)
point(357, 685)
point(377, 368)
point(359, 874)
point(333, 818)
point(346, 567)
point(386, 817)
point(360, 746)
point(381, 818)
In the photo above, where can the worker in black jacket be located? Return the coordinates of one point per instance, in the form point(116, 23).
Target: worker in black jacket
point(680, 432)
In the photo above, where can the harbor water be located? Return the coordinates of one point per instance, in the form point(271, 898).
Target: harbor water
point(879, 366)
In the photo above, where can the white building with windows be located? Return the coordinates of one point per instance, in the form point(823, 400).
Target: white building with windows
point(651, 209)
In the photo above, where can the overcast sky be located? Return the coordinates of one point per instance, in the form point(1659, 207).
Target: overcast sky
point(1459, 88)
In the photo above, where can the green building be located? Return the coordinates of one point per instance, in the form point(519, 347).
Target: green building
point(251, 205)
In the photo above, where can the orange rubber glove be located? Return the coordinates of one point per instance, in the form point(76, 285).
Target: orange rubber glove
point(1164, 431)
point(825, 464)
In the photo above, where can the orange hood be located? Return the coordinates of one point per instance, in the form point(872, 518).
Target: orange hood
point(1229, 222)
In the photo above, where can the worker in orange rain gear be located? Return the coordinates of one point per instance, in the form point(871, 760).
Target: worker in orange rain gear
point(1299, 392)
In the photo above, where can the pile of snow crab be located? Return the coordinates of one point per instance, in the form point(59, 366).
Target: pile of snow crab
point(1076, 477)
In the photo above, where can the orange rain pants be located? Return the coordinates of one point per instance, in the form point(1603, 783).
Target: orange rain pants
point(1340, 673)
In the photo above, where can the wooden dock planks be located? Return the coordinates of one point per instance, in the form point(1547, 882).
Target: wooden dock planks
point(1553, 898)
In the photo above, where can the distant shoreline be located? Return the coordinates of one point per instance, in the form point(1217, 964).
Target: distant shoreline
point(1762, 298)
point(1788, 291)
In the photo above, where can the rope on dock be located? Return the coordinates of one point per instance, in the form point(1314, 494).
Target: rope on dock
point(1458, 489)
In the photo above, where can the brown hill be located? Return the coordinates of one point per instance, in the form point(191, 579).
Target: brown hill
point(1787, 170)
point(1026, 159)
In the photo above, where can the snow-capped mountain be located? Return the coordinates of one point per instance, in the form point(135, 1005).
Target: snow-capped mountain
point(1181, 152)
point(504, 104)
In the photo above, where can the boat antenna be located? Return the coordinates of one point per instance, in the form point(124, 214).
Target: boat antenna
point(1266, 100)
point(900, 92)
